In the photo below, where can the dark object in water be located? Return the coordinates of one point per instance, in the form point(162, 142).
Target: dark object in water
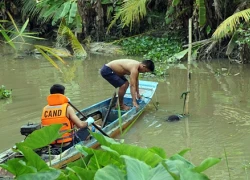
point(175, 117)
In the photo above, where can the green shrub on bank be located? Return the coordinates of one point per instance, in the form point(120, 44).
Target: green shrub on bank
point(157, 49)
point(4, 93)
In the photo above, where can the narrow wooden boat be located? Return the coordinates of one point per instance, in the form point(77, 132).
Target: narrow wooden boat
point(100, 111)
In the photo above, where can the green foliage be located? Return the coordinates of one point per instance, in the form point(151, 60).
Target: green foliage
point(157, 49)
point(10, 36)
point(243, 35)
point(113, 161)
point(133, 162)
point(32, 166)
point(47, 52)
point(42, 137)
point(130, 12)
point(5, 93)
point(160, 50)
point(229, 26)
point(202, 12)
point(53, 10)
point(78, 49)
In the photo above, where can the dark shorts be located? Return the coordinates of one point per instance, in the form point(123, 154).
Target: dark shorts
point(108, 74)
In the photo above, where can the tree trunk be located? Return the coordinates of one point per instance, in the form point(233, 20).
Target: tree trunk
point(92, 18)
point(99, 20)
point(245, 54)
point(84, 11)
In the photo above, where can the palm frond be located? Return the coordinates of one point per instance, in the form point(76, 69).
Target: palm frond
point(29, 8)
point(6, 37)
point(14, 24)
point(228, 26)
point(130, 12)
point(78, 49)
point(44, 50)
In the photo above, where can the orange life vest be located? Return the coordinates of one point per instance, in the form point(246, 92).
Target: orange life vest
point(56, 113)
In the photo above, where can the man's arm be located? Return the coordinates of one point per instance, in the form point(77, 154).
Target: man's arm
point(137, 88)
point(134, 85)
point(80, 124)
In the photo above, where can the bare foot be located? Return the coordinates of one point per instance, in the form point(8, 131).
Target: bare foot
point(124, 107)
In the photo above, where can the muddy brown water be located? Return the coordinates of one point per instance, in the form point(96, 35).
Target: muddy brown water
point(219, 107)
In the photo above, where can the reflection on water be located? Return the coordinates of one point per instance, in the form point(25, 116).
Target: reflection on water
point(219, 107)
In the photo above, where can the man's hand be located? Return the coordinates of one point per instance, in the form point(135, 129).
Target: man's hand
point(90, 120)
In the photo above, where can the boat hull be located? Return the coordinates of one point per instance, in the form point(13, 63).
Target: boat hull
point(112, 129)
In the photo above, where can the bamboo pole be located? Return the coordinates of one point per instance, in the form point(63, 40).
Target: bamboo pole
point(186, 111)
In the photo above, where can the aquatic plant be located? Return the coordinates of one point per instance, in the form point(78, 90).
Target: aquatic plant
point(115, 160)
point(5, 93)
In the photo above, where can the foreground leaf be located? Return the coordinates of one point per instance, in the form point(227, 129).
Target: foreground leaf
point(109, 172)
point(42, 137)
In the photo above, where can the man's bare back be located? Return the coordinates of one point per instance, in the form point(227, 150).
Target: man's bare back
point(123, 66)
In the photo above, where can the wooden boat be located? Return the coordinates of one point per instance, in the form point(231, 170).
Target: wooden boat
point(100, 111)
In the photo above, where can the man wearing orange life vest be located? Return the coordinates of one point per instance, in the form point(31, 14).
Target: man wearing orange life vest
point(58, 111)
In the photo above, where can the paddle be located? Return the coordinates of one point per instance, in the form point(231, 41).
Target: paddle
point(109, 109)
point(99, 129)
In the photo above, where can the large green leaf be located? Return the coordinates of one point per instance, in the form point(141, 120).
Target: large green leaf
point(136, 169)
point(202, 12)
point(42, 137)
point(158, 151)
point(72, 12)
point(141, 171)
point(207, 163)
point(143, 154)
point(102, 157)
point(56, 16)
point(32, 159)
point(178, 55)
point(183, 171)
point(159, 172)
point(50, 11)
point(49, 175)
point(110, 172)
point(184, 151)
point(181, 158)
point(66, 8)
point(17, 167)
point(81, 173)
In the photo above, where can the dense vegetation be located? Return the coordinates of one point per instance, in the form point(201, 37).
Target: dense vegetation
point(115, 160)
point(220, 28)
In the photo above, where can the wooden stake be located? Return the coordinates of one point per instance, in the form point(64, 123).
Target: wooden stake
point(186, 112)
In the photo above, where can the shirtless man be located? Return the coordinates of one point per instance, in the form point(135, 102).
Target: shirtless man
point(114, 73)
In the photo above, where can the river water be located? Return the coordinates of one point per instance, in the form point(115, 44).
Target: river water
point(218, 124)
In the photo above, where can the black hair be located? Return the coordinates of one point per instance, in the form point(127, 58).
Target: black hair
point(149, 64)
point(57, 89)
